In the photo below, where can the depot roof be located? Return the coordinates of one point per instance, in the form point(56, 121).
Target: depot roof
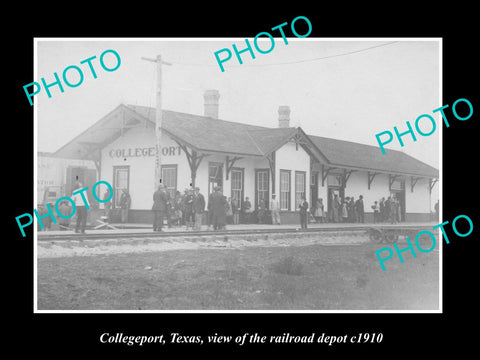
point(360, 156)
point(209, 135)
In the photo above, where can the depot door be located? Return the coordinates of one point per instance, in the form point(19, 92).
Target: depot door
point(397, 189)
point(83, 175)
point(332, 191)
point(400, 195)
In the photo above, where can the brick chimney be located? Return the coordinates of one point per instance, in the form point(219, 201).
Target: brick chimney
point(283, 116)
point(211, 103)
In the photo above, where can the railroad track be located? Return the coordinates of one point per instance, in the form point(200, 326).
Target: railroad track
point(98, 244)
point(218, 233)
point(107, 243)
point(376, 233)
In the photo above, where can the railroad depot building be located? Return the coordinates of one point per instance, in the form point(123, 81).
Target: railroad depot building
point(246, 161)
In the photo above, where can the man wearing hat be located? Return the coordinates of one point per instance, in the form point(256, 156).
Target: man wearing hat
point(81, 204)
point(247, 210)
point(188, 208)
point(125, 202)
point(219, 202)
point(198, 208)
point(160, 200)
point(275, 209)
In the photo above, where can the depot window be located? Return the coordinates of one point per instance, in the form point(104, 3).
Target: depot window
point(261, 187)
point(237, 185)
point(215, 176)
point(169, 178)
point(300, 186)
point(284, 189)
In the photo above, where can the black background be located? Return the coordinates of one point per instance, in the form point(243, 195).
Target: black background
point(67, 335)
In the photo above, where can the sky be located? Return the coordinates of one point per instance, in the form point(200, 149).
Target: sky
point(347, 89)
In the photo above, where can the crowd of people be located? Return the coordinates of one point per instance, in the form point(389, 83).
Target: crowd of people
point(189, 209)
point(387, 210)
point(349, 210)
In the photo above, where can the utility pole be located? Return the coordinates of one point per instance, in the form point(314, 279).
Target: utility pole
point(158, 119)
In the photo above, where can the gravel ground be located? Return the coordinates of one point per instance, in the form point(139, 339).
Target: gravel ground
point(313, 277)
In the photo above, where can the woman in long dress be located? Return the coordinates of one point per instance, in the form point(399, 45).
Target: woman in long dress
point(319, 211)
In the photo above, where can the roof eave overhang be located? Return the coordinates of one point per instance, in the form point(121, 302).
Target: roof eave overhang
point(383, 171)
point(110, 133)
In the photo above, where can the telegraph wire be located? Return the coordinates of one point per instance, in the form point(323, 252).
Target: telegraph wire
point(297, 61)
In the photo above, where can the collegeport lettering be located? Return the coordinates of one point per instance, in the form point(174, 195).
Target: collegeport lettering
point(130, 340)
point(142, 152)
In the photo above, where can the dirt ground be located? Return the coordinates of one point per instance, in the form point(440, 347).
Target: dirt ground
point(311, 277)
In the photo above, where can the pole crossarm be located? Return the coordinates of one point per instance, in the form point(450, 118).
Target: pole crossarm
point(156, 60)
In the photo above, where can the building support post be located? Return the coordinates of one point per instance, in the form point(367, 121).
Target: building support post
point(229, 165)
point(431, 184)
point(371, 176)
point(271, 164)
point(194, 160)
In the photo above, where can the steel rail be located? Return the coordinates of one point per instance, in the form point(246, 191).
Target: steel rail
point(218, 233)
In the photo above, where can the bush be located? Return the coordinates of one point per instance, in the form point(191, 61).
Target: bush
point(288, 266)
